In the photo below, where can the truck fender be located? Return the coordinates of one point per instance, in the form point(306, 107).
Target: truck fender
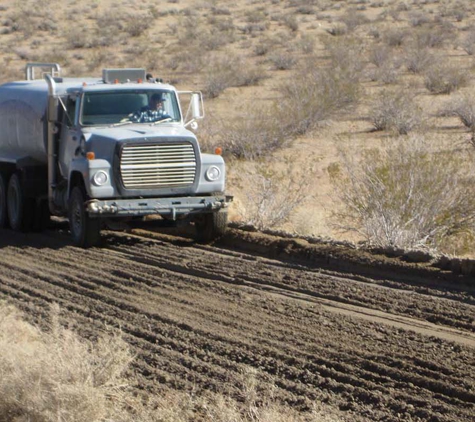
point(78, 174)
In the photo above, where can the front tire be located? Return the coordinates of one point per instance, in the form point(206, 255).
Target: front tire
point(85, 231)
point(211, 226)
point(20, 208)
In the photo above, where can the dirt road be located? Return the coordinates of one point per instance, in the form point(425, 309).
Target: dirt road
point(380, 342)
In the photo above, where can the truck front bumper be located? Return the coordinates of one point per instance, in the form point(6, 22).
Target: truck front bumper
point(169, 207)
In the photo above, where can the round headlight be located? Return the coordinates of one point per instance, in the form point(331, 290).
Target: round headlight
point(100, 178)
point(213, 173)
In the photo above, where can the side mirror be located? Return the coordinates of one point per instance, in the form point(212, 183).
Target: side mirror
point(197, 110)
point(52, 109)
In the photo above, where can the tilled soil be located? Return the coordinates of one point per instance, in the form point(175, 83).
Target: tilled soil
point(397, 344)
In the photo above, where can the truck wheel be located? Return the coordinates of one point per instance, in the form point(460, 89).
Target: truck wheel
point(3, 202)
point(210, 226)
point(85, 231)
point(20, 208)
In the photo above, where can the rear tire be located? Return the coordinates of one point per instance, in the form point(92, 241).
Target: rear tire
point(211, 226)
point(85, 231)
point(3, 202)
point(20, 208)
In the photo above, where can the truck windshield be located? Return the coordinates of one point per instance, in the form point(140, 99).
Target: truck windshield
point(138, 106)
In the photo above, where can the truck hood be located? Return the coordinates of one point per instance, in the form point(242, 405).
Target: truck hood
point(134, 131)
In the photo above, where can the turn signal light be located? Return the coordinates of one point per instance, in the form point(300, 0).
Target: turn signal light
point(218, 151)
point(90, 155)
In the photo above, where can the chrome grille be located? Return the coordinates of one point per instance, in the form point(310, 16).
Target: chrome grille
point(157, 166)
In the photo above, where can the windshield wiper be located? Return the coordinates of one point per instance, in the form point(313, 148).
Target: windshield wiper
point(122, 123)
point(168, 119)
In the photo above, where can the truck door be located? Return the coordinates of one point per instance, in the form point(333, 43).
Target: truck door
point(70, 135)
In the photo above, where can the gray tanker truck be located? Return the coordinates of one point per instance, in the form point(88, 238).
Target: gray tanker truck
point(99, 150)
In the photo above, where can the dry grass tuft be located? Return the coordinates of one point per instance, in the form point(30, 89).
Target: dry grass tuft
point(55, 375)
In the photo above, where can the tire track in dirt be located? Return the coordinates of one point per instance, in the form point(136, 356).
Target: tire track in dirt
point(197, 317)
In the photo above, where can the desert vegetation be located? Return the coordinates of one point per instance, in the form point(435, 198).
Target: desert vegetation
point(279, 75)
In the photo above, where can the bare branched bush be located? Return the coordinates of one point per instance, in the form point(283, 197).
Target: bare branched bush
point(395, 37)
point(418, 18)
point(221, 73)
point(386, 74)
point(418, 59)
point(462, 107)
point(395, 111)
point(434, 36)
point(468, 42)
point(338, 28)
point(291, 22)
point(283, 60)
point(380, 54)
point(257, 131)
point(353, 18)
point(407, 195)
point(272, 194)
point(306, 44)
point(445, 78)
point(316, 93)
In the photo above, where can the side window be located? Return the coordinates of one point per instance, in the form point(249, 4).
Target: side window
point(70, 110)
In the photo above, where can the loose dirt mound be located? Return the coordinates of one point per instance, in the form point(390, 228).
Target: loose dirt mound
point(376, 347)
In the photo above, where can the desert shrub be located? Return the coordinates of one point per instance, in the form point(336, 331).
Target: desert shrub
point(314, 94)
point(271, 193)
point(386, 62)
point(395, 37)
point(353, 18)
point(221, 73)
point(462, 107)
point(136, 25)
point(256, 131)
point(418, 59)
point(189, 30)
point(395, 111)
point(338, 28)
point(77, 37)
point(283, 60)
point(291, 22)
point(468, 42)
point(434, 36)
point(418, 18)
point(386, 74)
point(380, 54)
point(255, 16)
point(444, 78)
point(407, 195)
point(306, 44)
point(345, 54)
